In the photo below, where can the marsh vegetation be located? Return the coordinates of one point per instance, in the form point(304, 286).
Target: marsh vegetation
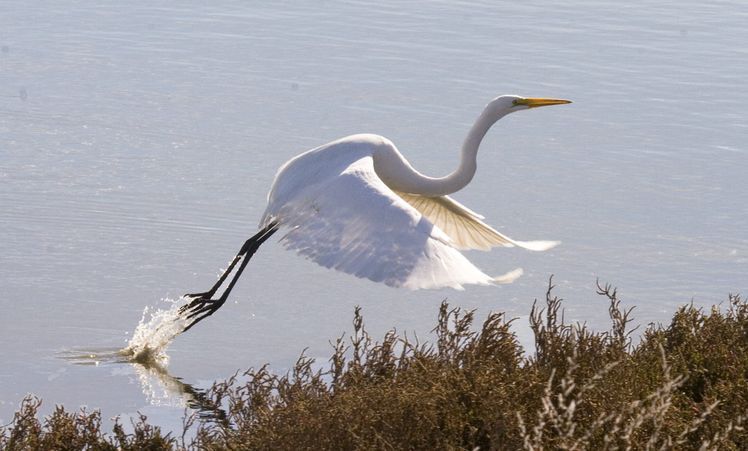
point(677, 386)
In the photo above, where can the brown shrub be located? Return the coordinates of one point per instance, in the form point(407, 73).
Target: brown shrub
point(681, 387)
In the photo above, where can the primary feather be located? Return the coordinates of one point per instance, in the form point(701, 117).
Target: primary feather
point(464, 226)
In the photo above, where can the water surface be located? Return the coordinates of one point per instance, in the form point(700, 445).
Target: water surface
point(138, 142)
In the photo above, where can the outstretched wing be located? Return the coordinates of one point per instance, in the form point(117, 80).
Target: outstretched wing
point(465, 227)
point(352, 222)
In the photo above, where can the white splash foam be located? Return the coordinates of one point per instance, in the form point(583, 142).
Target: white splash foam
point(155, 332)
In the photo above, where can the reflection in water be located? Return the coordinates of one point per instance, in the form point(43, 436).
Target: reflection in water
point(159, 387)
point(146, 352)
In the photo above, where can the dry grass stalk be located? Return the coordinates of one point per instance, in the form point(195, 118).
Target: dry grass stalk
point(681, 387)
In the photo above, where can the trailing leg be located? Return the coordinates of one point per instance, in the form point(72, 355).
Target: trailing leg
point(203, 305)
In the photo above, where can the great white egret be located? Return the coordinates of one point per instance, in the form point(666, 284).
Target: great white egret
point(358, 206)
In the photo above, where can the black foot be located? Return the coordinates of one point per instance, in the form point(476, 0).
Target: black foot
point(199, 308)
point(195, 296)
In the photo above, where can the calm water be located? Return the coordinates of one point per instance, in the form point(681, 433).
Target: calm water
point(137, 144)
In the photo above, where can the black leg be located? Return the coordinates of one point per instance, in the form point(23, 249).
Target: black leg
point(203, 305)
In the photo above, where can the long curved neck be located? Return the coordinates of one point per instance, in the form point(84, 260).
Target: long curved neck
point(401, 176)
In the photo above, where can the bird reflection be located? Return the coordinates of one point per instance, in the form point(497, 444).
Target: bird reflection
point(159, 387)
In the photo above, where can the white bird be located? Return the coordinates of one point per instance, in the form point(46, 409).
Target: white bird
point(358, 206)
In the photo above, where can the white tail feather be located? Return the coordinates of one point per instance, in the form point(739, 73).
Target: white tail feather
point(509, 277)
point(537, 245)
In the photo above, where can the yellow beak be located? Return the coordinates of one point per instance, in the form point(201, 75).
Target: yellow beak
point(534, 102)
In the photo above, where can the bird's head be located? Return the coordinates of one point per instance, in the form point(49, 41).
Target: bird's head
point(503, 105)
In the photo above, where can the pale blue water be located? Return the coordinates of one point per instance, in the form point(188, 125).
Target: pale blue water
point(137, 144)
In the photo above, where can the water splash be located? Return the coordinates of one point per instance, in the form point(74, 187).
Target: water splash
point(155, 332)
point(146, 352)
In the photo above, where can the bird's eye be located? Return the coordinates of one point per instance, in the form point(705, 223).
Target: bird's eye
point(515, 102)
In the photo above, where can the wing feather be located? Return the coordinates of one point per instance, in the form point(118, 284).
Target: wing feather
point(465, 227)
point(352, 222)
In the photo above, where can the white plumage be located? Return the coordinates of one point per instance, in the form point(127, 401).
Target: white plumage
point(356, 205)
point(347, 219)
